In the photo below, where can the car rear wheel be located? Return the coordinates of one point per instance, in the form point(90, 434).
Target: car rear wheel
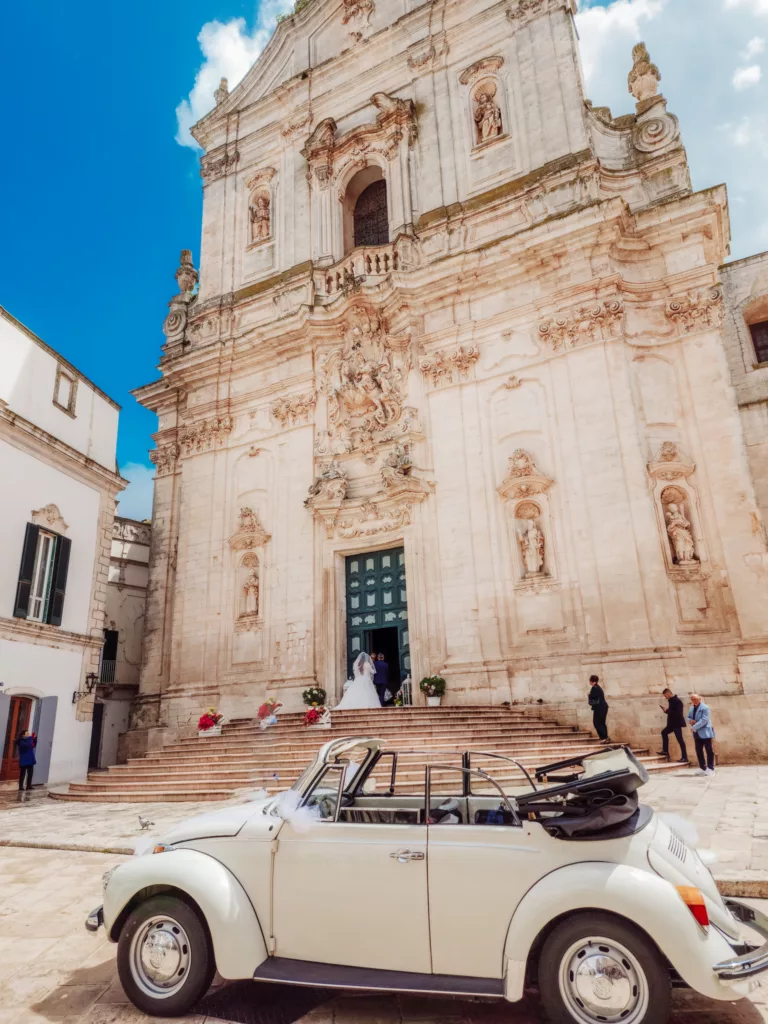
point(164, 957)
point(596, 969)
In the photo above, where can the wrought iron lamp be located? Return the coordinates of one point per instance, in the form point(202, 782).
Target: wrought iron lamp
point(90, 685)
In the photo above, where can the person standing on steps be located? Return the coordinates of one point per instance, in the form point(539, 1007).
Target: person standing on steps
point(25, 744)
point(381, 680)
point(675, 724)
point(599, 706)
point(703, 733)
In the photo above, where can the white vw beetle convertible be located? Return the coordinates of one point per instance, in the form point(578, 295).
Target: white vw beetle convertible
point(355, 879)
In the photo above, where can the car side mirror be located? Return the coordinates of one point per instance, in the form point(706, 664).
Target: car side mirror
point(369, 787)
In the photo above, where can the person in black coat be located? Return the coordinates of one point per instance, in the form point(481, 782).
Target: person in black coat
point(599, 706)
point(675, 713)
point(25, 745)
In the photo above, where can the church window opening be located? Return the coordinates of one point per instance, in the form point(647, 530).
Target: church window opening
point(759, 334)
point(371, 219)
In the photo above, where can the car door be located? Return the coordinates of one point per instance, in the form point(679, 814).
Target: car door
point(351, 893)
point(478, 873)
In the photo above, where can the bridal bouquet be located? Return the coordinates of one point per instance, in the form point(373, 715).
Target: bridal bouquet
point(209, 720)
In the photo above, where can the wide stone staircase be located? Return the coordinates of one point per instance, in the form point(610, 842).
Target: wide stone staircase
point(245, 758)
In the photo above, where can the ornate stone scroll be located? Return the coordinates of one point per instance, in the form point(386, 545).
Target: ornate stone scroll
point(583, 324)
point(218, 164)
point(50, 518)
point(207, 434)
point(294, 408)
point(697, 311)
point(250, 533)
point(450, 366)
point(523, 478)
point(165, 457)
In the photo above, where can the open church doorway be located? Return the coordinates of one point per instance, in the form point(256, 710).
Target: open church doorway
point(377, 610)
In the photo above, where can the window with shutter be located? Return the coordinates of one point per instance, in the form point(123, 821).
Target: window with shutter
point(59, 581)
point(759, 334)
point(26, 572)
point(42, 576)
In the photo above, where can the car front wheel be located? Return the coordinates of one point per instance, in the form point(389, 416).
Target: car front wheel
point(164, 957)
point(597, 969)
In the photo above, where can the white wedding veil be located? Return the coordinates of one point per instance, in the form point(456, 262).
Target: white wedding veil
point(363, 665)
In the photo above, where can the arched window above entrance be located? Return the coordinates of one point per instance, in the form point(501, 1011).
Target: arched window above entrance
point(366, 213)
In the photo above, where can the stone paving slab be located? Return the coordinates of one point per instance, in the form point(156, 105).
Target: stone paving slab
point(53, 972)
point(729, 813)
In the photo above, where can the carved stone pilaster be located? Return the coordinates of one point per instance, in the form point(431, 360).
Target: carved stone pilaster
point(697, 311)
point(582, 325)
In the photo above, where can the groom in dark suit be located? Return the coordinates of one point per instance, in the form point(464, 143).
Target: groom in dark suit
point(381, 680)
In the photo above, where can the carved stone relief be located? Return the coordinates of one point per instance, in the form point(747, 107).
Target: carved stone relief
point(50, 518)
point(136, 533)
point(357, 18)
point(486, 112)
point(583, 325)
point(165, 457)
point(451, 366)
point(523, 479)
point(294, 408)
point(250, 533)
point(697, 311)
point(217, 164)
point(207, 434)
point(329, 488)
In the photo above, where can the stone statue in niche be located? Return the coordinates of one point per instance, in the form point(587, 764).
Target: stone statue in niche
point(532, 548)
point(250, 587)
point(487, 113)
point(679, 530)
point(261, 218)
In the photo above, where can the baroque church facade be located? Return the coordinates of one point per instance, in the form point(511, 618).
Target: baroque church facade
point(454, 382)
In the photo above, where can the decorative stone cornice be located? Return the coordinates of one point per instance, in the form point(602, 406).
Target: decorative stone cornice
point(524, 11)
point(294, 408)
point(697, 311)
point(50, 518)
point(296, 127)
point(217, 164)
point(486, 66)
point(261, 177)
point(523, 479)
point(583, 324)
point(202, 436)
point(670, 463)
point(450, 366)
point(250, 533)
point(134, 533)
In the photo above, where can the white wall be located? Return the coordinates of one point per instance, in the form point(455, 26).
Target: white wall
point(30, 484)
point(38, 671)
point(27, 383)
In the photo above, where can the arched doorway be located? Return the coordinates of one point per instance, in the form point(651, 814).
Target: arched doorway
point(366, 211)
point(19, 718)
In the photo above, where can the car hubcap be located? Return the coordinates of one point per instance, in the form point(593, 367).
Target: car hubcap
point(601, 981)
point(160, 957)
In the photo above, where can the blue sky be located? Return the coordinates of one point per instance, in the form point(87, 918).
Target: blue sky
point(99, 197)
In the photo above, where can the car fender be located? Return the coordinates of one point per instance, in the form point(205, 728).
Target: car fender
point(238, 940)
point(643, 898)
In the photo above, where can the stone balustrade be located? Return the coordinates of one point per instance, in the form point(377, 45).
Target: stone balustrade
point(361, 263)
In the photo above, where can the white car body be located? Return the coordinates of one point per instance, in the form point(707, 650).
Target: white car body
point(465, 905)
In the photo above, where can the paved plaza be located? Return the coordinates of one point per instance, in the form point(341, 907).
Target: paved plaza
point(52, 970)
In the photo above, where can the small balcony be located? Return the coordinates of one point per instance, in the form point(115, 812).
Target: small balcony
point(108, 671)
point(360, 265)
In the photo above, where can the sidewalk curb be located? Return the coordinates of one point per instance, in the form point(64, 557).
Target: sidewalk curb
point(24, 844)
point(752, 889)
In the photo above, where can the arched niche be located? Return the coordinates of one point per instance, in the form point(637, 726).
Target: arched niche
point(366, 209)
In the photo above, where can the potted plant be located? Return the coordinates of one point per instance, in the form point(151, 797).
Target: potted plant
point(318, 717)
point(433, 687)
point(314, 696)
point(210, 723)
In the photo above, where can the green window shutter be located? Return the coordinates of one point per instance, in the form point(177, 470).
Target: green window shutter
point(26, 571)
point(59, 580)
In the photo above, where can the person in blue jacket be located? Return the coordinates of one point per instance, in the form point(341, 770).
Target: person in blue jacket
point(703, 733)
point(25, 744)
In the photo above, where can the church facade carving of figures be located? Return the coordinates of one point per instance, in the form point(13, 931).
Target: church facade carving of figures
point(530, 539)
point(484, 96)
point(365, 384)
point(250, 588)
point(248, 546)
point(260, 188)
point(677, 504)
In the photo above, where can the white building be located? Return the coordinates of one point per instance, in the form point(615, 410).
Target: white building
point(123, 637)
point(58, 435)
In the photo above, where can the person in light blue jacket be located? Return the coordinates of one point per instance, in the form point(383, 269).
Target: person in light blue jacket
point(700, 718)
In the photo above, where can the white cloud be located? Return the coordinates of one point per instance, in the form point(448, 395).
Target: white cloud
point(725, 130)
point(744, 77)
point(754, 6)
point(229, 51)
point(755, 46)
point(135, 502)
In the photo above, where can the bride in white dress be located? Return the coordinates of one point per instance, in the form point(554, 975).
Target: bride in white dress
point(362, 693)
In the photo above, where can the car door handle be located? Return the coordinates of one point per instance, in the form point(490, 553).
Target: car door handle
point(405, 855)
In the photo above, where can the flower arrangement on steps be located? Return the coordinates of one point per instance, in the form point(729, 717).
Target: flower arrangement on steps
point(267, 713)
point(433, 688)
point(210, 723)
point(318, 716)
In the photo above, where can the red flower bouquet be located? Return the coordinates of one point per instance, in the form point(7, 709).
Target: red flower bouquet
point(209, 720)
point(314, 716)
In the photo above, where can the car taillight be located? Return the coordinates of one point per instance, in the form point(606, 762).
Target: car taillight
point(694, 900)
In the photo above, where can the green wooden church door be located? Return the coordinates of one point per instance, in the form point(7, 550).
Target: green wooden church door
point(377, 609)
